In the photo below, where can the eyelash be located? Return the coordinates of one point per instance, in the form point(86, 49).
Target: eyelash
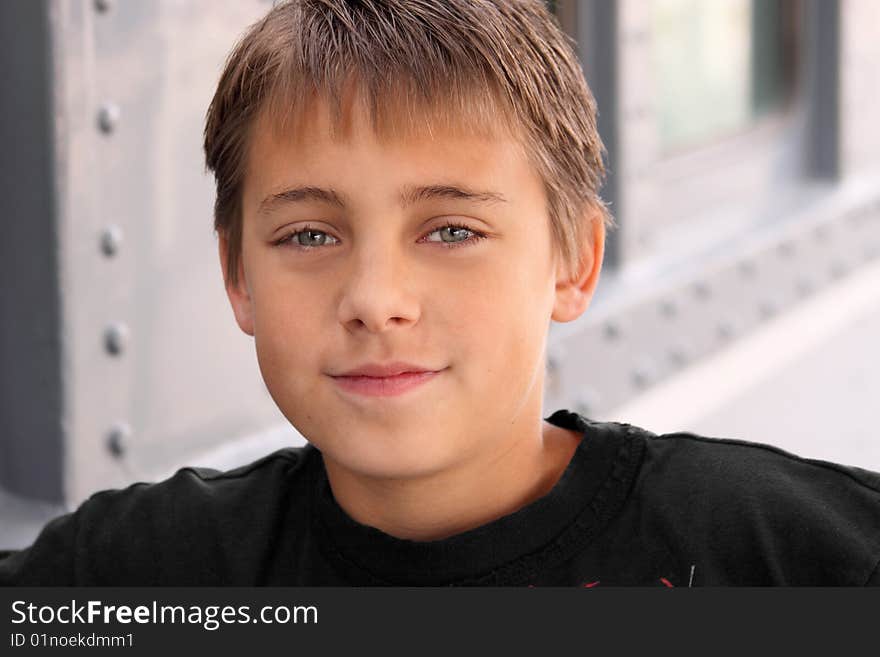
point(288, 240)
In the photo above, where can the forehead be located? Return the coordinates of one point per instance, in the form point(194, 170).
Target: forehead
point(301, 136)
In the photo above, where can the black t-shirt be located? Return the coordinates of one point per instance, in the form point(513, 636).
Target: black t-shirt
point(631, 508)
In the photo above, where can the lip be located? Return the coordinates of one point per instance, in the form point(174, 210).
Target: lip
point(385, 386)
point(385, 369)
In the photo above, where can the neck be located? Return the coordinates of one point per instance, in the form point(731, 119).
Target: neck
point(456, 500)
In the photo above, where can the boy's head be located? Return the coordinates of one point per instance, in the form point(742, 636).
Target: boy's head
point(406, 181)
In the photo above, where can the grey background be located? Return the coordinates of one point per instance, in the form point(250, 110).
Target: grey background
point(749, 307)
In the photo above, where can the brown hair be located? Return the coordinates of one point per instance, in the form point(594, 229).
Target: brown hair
point(482, 64)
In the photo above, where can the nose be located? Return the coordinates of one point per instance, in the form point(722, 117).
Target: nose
point(377, 291)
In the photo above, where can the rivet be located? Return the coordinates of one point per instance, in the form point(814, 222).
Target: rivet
point(552, 377)
point(701, 290)
point(678, 356)
point(785, 249)
point(804, 287)
point(587, 402)
point(643, 375)
point(726, 329)
point(108, 117)
point(767, 309)
point(103, 6)
point(668, 308)
point(611, 331)
point(118, 439)
point(111, 240)
point(747, 269)
point(640, 378)
point(116, 338)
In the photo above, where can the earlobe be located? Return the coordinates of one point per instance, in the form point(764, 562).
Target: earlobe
point(574, 290)
point(238, 292)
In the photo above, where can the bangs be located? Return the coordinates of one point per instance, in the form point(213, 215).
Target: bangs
point(368, 54)
point(397, 104)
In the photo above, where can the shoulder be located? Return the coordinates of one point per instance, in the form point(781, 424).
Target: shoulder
point(182, 529)
point(203, 499)
point(751, 472)
point(803, 520)
point(285, 466)
point(195, 490)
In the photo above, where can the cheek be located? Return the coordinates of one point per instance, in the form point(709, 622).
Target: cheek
point(500, 321)
point(288, 347)
point(286, 333)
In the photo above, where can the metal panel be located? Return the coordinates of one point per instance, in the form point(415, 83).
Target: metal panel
point(116, 338)
point(30, 349)
point(149, 328)
point(646, 330)
point(683, 294)
point(807, 381)
point(823, 80)
point(595, 30)
point(859, 91)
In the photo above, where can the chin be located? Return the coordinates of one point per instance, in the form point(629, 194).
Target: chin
point(398, 463)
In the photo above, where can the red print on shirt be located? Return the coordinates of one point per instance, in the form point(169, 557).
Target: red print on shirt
point(589, 585)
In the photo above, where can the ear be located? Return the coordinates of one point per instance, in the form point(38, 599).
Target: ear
point(574, 290)
point(238, 292)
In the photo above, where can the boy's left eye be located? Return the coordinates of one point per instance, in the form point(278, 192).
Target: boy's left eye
point(306, 238)
point(310, 238)
point(453, 231)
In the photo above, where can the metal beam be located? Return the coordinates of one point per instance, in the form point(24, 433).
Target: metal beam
point(30, 346)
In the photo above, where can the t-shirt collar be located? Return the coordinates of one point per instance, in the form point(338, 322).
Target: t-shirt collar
point(510, 542)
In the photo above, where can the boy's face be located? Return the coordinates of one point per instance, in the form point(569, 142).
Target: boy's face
point(379, 284)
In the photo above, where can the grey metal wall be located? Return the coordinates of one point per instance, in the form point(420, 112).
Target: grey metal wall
point(121, 356)
point(31, 445)
point(716, 249)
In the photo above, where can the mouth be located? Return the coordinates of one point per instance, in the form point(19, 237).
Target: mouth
point(385, 386)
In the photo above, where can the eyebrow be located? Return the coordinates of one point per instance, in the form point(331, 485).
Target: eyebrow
point(414, 194)
point(299, 194)
point(410, 195)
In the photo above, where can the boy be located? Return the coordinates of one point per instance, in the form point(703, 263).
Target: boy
point(407, 194)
